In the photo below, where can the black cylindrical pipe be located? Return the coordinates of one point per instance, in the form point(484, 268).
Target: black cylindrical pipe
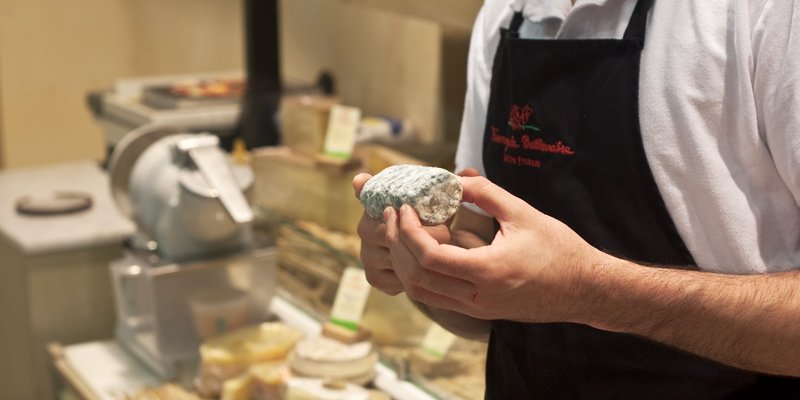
point(262, 59)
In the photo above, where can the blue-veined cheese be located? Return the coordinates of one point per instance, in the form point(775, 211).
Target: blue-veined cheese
point(434, 193)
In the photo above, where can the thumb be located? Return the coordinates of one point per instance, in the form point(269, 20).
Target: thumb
point(469, 172)
point(491, 198)
point(359, 181)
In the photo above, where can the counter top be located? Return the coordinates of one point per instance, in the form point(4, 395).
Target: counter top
point(101, 224)
point(104, 370)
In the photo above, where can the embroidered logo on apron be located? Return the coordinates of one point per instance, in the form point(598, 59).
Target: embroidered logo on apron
point(519, 116)
point(519, 121)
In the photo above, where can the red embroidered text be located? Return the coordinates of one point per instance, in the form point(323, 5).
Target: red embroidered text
point(508, 142)
point(540, 145)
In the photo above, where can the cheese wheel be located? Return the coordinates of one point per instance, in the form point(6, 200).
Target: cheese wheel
point(323, 357)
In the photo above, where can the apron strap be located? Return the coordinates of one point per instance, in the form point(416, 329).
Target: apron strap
point(638, 23)
point(516, 22)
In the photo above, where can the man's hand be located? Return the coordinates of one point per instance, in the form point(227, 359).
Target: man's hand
point(537, 269)
point(381, 265)
point(375, 253)
point(528, 272)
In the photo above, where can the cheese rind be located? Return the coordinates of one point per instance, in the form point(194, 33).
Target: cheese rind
point(231, 354)
point(322, 357)
point(434, 193)
point(317, 389)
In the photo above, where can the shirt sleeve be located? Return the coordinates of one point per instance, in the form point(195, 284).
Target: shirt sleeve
point(776, 85)
point(470, 143)
point(469, 153)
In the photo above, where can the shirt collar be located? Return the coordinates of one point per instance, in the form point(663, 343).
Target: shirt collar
point(540, 10)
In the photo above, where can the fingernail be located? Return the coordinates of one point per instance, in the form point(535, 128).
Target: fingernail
point(388, 213)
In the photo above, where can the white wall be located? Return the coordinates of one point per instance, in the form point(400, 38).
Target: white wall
point(53, 52)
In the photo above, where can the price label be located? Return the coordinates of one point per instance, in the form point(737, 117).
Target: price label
point(340, 138)
point(351, 298)
point(437, 341)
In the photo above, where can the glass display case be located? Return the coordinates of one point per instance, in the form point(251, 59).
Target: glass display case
point(311, 260)
point(165, 309)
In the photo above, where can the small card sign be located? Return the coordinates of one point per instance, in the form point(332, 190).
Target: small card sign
point(437, 341)
point(351, 298)
point(340, 138)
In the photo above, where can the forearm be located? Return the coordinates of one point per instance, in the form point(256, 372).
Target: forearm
point(751, 322)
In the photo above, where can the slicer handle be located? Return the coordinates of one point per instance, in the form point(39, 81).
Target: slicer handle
point(214, 167)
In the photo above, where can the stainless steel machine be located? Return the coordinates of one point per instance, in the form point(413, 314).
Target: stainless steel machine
point(195, 268)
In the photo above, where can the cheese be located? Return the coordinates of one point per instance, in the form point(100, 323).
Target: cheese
point(268, 341)
point(433, 192)
point(322, 357)
point(231, 354)
point(329, 350)
point(269, 380)
point(318, 389)
point(237, 388)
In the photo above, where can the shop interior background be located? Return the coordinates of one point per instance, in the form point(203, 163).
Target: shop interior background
point(399, 58)
point(404, 59)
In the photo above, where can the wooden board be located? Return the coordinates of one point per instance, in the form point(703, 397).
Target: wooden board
point(67, 374)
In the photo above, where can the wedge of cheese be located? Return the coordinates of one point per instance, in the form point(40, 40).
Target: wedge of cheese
point(237, 388)
point(319, 389)
point(269, 380)
point(265, 342)
point(229, 355)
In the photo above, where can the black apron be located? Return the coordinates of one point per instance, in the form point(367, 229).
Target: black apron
point(562, 132)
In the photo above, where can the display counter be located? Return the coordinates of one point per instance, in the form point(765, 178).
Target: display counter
point(313, 251)
point(103, 370)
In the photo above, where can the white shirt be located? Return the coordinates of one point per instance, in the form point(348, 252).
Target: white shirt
point(719, 104)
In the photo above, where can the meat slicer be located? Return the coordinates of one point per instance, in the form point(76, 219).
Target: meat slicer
point(195, 268)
